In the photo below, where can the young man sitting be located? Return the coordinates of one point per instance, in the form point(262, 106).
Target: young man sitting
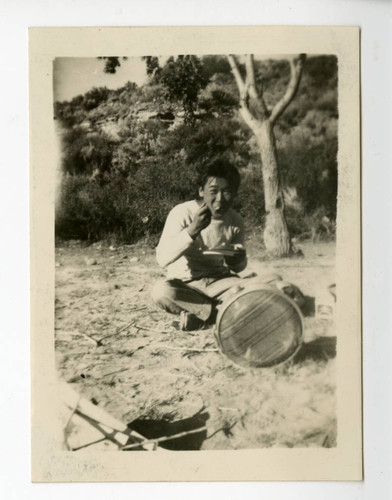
point(196, 280)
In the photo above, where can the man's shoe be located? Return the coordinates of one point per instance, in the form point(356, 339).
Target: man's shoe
point(189, 321)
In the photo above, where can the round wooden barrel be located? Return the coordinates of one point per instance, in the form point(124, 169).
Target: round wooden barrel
point(259, 326)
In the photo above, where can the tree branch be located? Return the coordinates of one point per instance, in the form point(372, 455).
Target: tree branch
point(250, 73)
point(256, 104)
point(249, 119)
point(296, 66)
point(236, 72)
point(243, 88)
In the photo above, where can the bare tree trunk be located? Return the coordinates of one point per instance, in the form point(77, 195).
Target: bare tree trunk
point(276, 235)
point(258, 118)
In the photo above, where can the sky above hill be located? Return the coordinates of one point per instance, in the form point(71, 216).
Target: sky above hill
point(76, 75)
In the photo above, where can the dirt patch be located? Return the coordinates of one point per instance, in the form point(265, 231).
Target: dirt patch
point(126, 356)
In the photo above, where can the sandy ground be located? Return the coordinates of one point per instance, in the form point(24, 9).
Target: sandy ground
point(127, 357)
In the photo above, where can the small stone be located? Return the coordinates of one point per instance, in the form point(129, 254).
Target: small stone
point(134, 259)
point(91, 262)
point(112, 248)
point(58, 264)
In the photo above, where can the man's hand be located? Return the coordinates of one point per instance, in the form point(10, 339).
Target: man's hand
point(201, 221)
point(236, 260)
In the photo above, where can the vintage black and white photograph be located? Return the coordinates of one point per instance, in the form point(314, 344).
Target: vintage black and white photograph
point(196, 220)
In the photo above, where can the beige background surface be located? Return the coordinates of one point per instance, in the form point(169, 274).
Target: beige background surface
point(51, 464)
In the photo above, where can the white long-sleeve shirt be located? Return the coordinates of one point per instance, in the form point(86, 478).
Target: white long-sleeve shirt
point(183, 257)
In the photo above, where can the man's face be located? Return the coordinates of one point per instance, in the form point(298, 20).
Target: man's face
point(217, 195)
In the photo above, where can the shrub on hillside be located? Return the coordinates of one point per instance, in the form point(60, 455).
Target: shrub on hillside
point(84, 153)
point(122, 209)
point(312, 170)
point(250, 198)
point(219, 137)
point(95, 97)
point(92, 211)
point(218, 98)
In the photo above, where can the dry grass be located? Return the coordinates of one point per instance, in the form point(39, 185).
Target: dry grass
point(126, 356)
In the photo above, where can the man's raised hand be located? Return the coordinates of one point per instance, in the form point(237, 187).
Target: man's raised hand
point(200, 221)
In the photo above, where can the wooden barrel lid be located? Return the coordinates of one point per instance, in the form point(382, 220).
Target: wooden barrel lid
point(259, 327)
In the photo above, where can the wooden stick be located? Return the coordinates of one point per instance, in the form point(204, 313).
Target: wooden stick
point(99, 426)
point(89, 444)
point(164, 438)
point(141, 327)
point(65, 431)
point(140, 308)
point(228, 408)
point(117, 371)
point(119, 331)
point(124, 327)
point(87, 353)
point(98, 343)
point(181, 348)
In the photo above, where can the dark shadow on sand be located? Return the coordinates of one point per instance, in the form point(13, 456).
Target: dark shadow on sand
point(152, 429)
point(308, 308)
point(322, 348)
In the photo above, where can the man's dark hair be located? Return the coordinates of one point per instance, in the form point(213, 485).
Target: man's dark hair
point(220, 168)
